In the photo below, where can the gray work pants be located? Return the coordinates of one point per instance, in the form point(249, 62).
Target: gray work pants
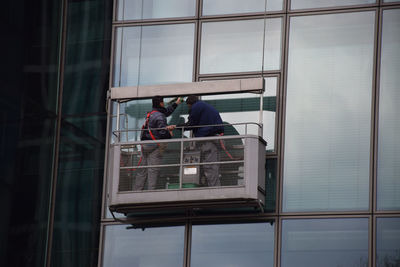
point(149, 157)
point(210, 153)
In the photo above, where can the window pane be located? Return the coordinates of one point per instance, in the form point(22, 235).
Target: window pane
point(387, 242)
point(154, 54)
point(325, 242)
point(389, 124)
point(233, 245)
point(125, 246)
point(236, 46)
point(151, 9)
point(300, 4)
point(327, 140)
point(219, 7)
point(272, 44)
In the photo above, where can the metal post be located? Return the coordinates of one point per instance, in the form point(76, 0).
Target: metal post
point(181, 163)
point(117, 132)
point(260, 121)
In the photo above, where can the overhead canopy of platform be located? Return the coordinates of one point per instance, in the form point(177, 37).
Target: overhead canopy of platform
point(255, 85)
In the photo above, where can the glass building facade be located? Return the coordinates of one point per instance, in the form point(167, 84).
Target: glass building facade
point(330, 117)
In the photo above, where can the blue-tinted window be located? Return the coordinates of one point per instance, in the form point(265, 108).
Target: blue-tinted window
point(328, 112)
point(153, 9)
point(154, 54)
point(128, 246)
point(387, 242)
point(237, 46)
point(324, 242)
point(388, 186)
point(302, 4)
point(233, 245)
point(219, 7)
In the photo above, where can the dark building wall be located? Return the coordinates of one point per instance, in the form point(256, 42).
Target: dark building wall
point(30, 92)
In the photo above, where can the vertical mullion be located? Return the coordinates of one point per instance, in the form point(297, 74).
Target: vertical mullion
point(50, 225)
point(188, 244)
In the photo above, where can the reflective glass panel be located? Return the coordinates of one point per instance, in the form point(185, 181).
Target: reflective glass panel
point(302, 4)
point(154, 54)
point(388, 1)
point(237, 46)
point(325, 242)
point(388, 187)
point(387, 242)
point(249, 244)
point(127, 246)
point(152, 9)
point(219, 7)
point(328, 112)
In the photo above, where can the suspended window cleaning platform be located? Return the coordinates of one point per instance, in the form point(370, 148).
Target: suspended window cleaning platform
point(238, 160)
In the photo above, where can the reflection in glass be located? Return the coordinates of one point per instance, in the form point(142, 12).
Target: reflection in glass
point(269, 112)
point(387, 242)
point(237, 46)
point(302, 4)
point(151, 9)
point(270, 185)
point(325, 242)
point(154, 54)
point(328, 116)
point(220, 7)
point(249, 244)
point(245, 107)
point(388, 186)
point(125, 246)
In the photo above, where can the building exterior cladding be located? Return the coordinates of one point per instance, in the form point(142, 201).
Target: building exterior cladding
point(330, 118)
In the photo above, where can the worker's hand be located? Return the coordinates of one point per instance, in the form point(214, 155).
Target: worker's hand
point(178, 101)
point(171, 127)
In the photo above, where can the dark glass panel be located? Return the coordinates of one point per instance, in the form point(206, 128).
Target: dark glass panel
point(87, 56)
point(270, 185)
point(26, 165)
point(79, 189)
point(28, 101)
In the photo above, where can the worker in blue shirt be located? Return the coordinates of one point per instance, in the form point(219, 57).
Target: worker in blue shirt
point(202, 113)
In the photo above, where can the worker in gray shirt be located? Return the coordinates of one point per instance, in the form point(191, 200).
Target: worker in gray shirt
point(152, 153)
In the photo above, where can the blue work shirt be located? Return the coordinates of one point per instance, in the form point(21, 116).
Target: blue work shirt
point(202, 113)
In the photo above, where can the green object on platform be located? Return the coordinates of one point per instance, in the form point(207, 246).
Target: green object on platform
point(186, 185)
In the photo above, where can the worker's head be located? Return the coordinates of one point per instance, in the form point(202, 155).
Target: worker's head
point(190, 100)
point(158, 101)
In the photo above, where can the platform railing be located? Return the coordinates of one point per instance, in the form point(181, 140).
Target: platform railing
point(183, 164)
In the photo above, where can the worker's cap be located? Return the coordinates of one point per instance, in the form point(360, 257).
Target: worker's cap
point(157, 100)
